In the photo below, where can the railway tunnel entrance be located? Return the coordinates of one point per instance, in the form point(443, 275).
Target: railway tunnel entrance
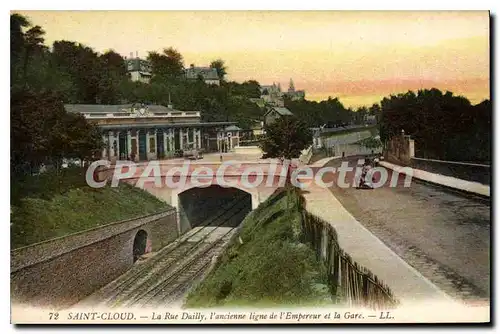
point(140, 244)
point(213, 206)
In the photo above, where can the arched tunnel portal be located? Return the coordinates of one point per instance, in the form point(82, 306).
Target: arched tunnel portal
point(213, 206)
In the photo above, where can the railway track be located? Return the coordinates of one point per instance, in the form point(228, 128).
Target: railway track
point(165, 277)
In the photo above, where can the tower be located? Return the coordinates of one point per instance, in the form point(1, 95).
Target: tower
point(291, 89)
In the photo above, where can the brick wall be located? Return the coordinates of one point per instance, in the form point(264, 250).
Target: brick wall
point(60, 272)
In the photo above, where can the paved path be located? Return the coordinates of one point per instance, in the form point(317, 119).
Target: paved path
point(407, 284)
point(442, 234)
point(447, 181)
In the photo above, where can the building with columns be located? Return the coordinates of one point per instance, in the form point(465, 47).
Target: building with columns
point(147, 132)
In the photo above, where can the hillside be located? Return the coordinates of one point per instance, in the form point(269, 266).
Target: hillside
point(51, 205)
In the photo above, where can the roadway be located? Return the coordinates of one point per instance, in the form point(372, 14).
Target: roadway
point(443, 234)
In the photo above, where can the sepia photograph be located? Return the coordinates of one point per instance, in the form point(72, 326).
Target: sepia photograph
point(250, 167)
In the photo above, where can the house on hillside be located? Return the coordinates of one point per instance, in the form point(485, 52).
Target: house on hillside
point(257, 128)
point(209, 74)
point(272, 95)
point(274, 113)
point(138, 69)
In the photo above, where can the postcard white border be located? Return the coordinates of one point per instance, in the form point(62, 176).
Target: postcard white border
point(186, 5)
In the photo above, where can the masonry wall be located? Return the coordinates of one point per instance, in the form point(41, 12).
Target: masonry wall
point(400, 150)
point(465, 171)
point(60, 272)
point(354, 149)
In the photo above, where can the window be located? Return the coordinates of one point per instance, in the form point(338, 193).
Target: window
point(152, 145)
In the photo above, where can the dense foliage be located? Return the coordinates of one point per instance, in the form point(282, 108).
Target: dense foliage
point(286, 138)
point(443, 126)
point(330, 112)
point(42, 132)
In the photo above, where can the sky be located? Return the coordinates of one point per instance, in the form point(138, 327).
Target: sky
point(356, 56)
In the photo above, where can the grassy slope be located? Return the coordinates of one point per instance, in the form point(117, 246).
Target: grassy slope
point(50, 206)
point(271, 267)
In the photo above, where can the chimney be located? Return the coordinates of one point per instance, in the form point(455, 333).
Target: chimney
point(131, 55)
point(137, 54)
point(169, 106)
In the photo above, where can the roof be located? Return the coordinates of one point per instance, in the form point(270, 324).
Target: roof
point(282, 111)
point(110, 108)
point(232, 128)
point(159, 126)
point(95, 108)
point(208, 73)
point(257, 127)
point(137, 64)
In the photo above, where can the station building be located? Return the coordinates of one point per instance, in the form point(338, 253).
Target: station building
point(142, 132)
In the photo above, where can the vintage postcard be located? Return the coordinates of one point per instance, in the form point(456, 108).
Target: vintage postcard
point(221, 167)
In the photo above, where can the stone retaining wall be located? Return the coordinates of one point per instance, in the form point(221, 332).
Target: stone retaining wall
point(465, 171)
point(60, 272)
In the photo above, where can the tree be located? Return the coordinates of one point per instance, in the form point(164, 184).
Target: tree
point(113, 73)
point(17, 24)
point(331, 112)
point(444, 126)
point(83, 66)
point(33, 42)
point(43, 132)
point(220, 67)
point(166, 66)
point(285, 139)
point(361, 113)
point(23, 46)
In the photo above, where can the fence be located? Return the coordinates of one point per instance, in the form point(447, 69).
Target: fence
point(354, 283)
point(254, 142)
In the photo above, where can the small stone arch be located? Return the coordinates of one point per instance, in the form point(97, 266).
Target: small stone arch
point(140, 244)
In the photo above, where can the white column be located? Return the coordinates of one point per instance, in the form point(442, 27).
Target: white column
point(198, 138)
point(129, 143)
point(237, 138)
point(166, 141)
point(195, 142)
point(147, 144)
point(155, 136)
point(110, 140)
point(181, 138)
point(171, 139)
point(137, 138)
point(104, 150)
point(118, 144)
